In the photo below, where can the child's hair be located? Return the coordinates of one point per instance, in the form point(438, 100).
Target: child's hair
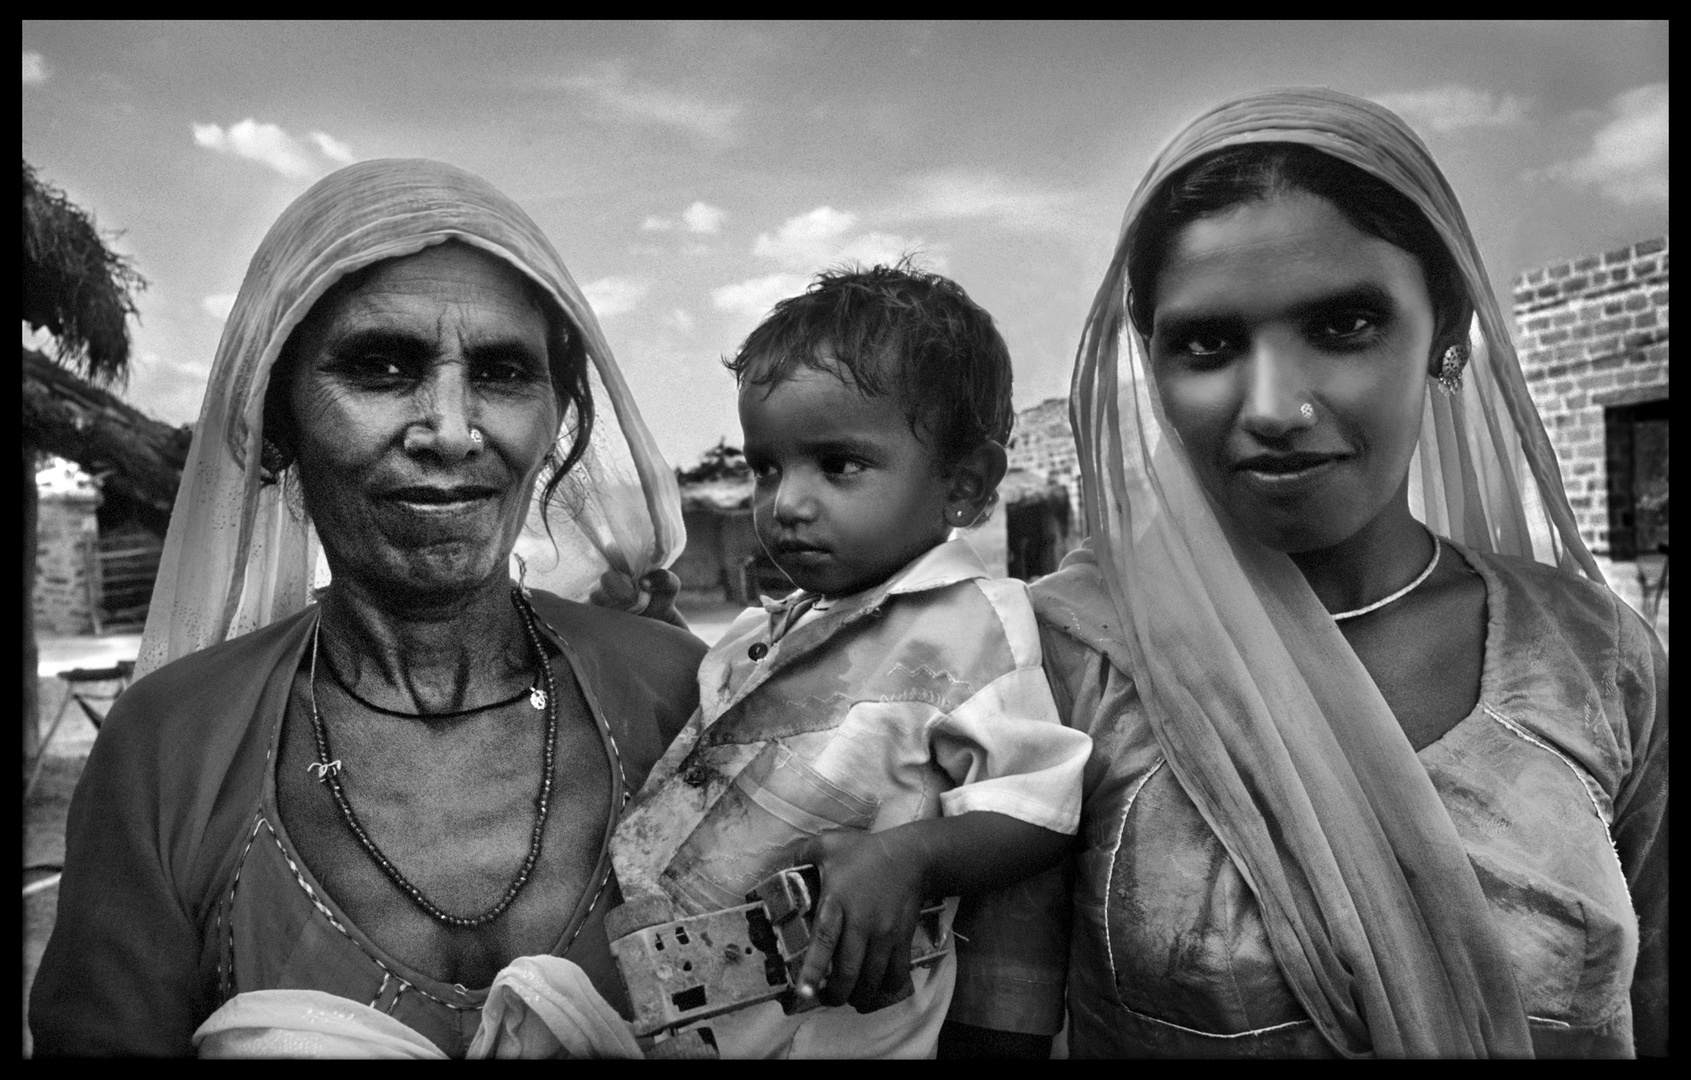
point(901, 333)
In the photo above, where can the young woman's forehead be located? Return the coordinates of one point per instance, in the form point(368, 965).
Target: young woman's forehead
point(1287, 250)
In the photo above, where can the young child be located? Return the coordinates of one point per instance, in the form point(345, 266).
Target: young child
point(888, 721)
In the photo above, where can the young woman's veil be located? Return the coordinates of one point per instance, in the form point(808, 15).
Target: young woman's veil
point(1262, 709)
point(241, 553)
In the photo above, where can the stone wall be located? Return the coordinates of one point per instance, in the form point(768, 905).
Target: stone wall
point(64, 556)
point(1042, 443)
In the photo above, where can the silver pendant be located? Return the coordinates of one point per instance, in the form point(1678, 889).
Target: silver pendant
point(537, 698)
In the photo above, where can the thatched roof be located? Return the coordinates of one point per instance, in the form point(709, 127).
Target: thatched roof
point(136, 457)
point(74, 286)
point(720, 495)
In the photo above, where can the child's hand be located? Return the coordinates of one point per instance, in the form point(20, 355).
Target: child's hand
point(860, 940)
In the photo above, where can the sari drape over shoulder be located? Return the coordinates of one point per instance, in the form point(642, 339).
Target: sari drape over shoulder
point(1262, 710)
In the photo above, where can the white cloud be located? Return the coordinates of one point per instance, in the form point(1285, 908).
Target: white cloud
point(682, 321)
point(754, 297)
point(218, 305)
point(1457, 108)
point(269, 145)
point(1628, 158)
point(701, 217)
point(648, 103)
point(824, 237)
point(34, 69)
point(955, 194)
point(612, 296)
point(332, 148)
point(808, 243)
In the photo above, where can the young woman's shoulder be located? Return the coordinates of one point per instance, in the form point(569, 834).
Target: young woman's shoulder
point(1075, 611)
point(1567, 651)
point(1581, 616)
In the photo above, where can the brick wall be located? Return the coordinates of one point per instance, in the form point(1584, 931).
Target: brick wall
point(1042, 443)
point(64, 554)
point(1593, 334)
point(1593, 339)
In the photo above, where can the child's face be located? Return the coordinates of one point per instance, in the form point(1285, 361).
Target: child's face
point(846, 493)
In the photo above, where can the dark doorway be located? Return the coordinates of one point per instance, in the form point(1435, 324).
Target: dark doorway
point(1035, 529)
point(1637, 442)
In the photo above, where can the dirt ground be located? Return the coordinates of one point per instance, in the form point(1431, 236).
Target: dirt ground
point(43, 847)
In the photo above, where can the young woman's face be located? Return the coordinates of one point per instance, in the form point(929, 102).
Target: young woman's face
point(424, 407)
point(1291, 353)
point(846, 494)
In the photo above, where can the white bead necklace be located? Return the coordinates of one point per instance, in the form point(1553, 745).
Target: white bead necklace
point(1432, 564)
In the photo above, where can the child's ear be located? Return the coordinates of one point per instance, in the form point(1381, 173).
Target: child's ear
point(974, 483)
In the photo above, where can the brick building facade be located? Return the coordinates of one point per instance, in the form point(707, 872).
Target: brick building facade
point(1593, 345)
point(1593, 342)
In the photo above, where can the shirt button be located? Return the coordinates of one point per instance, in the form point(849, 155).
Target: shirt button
point(758, 651)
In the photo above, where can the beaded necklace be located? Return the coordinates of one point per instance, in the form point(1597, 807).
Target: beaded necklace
point(328, 772)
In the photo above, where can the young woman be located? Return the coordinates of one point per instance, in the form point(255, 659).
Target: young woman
point(1380, 765)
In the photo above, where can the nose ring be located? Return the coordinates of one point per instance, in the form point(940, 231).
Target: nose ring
point(1307, 411)
point(476, 436)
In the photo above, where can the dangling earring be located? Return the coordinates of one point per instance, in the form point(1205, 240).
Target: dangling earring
point(1450, 370)
point(273, 461)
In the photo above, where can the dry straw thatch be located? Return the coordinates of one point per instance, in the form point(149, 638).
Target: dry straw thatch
point(74, 286)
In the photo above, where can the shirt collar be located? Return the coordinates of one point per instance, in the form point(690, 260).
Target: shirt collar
point(941, 565)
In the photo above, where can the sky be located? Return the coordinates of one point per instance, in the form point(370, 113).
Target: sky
point(693, 174)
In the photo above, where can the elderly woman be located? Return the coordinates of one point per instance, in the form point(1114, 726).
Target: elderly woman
point(1377, 771)
point(346, 819)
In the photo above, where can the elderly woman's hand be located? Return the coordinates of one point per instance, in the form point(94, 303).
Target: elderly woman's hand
point(659, 588)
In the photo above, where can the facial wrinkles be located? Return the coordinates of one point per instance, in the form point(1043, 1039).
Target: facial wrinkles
point(438, 318)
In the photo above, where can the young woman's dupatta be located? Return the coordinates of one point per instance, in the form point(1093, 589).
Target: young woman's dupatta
point(1265, 714)
point(241, 554)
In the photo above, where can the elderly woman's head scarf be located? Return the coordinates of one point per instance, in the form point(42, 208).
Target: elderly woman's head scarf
point(1264, 712)
point(242, 553)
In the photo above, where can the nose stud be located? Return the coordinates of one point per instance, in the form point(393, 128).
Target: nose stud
point(1307, 411)
point(476, 436)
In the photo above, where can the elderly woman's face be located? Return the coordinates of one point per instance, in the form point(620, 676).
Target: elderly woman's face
point(1291, 354)
point(423, 410)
